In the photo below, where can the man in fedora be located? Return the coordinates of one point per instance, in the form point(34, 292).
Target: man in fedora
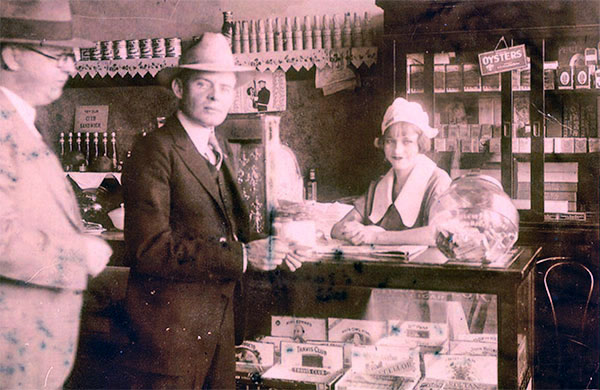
point(187, 233)
point(45, 259)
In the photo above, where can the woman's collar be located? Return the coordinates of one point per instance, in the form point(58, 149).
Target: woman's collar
point(408, 202)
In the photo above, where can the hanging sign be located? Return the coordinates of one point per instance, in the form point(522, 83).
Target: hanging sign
point(503, 60)
point(91, 119)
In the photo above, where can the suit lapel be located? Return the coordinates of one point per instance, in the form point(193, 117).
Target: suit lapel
point(29, 145)
point(197, 165)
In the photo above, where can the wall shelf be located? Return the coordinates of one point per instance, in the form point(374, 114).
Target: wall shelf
point(267, 61)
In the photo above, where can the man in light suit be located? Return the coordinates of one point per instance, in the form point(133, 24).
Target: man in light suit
point(187, 233)
point(45, 259)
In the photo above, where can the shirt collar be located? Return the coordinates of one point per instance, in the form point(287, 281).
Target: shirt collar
point(408, 202)
point(25, 110)
point(200, 136)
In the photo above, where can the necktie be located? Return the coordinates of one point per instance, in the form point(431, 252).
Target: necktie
point(217, 154)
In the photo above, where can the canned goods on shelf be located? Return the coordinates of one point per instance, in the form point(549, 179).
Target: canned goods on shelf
point(146, 48)
point(173, 47)
point(85, 54)
point(106, 50)
point(120, 49)
point(133, 48)
point(158, 47)
point(95, 52)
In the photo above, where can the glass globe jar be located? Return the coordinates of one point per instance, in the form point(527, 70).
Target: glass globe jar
point(475, 221)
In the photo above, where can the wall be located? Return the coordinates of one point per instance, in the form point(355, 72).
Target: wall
point(333, 134)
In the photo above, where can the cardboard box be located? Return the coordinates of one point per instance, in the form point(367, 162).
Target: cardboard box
point(459, 371)
point(299, 329)
point(565, 78)
point(594, 145)
point(429, 336)
point(380, 367)
point(471, 78)
point(473, 348)
point(357, 332)
point(439, 78)
point(305, 366)
point(454, 79)
point(581, 145)
point(254, 356)
point(564, 145)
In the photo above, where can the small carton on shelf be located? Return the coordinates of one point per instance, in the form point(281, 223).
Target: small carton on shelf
point(305, 366)
point(565, 78)
point(548, 145)
point(459, 372)
point(491, 83)
point(524, 145)
point(439, 78)
point(582, 77)
point(471, 78)
point(581, 145)
point(454, 79)
point(564, 145)
point(380, 367)
point(299, 329)
point(594, 145)
point(416, 81)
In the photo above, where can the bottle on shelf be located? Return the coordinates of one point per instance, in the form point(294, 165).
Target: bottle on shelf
point(326, 33)
point(347, 31)
point(297, 35)
point(87, 148)
point(252, 36)
point(270, 35)
point(311, 185)
point(61, 143)
point(336, 40)
point(237, 43)
point(113, 142)
point(278, 35)
point(245, 40)
point(307, 34)
point(367, 34)
point(287, 35)
point(261, 37)
point(227, 27)
point(357, 31)
point(316, 34)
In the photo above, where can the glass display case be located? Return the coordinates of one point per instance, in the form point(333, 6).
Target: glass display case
point(424, 323)
point(535, 129)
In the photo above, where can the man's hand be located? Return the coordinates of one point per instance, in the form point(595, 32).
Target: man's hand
point(98, 255)
point(266, 254)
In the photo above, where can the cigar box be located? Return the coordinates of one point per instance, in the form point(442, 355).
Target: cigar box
point(428, 336)
point(582, 77)
point(459, 372)
point(473, 348)
point(380, 367)
point(305, 366)
point(357, 332)
point(254, 356)
point(299, 329)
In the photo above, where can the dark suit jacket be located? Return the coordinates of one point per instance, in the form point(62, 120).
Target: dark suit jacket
point(184, 251)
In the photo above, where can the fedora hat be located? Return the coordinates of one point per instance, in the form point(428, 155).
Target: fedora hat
point(210, 52)
point(38, 22)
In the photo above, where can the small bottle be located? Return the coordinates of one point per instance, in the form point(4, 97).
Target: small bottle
point(227, 27)
point(78, 141)
point(357, 31)
point(270, 36)
point(307, 34)
point(96, 146)
point(261, 37)
point(336, 34)
point(287, 35)
point(347, 31)
point(70, 141)
point(367, 34)
point(113, 142)
point(61, 143)
point(87, 148)
point(252, 36)
point(237, 44)
point(316, 35)
point(297, 35)
point(105, 144)
point(326, 33)
point(278, 36)
point(311, 186)
point(245, 40)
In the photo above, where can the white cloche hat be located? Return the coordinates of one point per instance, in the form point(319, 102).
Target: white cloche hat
point(402, 110)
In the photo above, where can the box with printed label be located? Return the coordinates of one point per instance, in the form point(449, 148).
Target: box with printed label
point(459, 372)
point(305, 366)
point(381, 367)
point(429, 336)
point(254, 356)
point(299, 329)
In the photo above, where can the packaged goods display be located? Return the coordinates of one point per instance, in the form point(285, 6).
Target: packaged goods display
point(299, 329)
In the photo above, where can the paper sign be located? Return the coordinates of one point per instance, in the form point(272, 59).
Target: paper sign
point(503, 60)
point(91, 119)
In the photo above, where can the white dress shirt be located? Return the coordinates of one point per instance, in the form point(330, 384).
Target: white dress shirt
point(203, 139)
point(25, 110)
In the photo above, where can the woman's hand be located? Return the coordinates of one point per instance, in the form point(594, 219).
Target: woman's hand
point(359, 234)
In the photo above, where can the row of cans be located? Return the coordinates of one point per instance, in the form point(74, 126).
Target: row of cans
point(133, 48)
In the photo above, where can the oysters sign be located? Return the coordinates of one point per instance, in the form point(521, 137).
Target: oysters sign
point(503, 60)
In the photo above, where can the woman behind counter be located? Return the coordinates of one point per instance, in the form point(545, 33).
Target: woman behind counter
point(395, 209)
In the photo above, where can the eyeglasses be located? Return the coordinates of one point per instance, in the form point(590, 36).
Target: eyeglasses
point(61, 59)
